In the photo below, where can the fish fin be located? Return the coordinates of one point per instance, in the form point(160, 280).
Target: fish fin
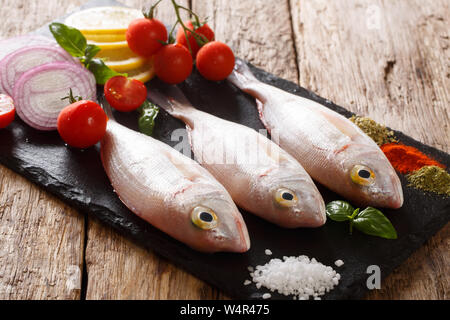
point(173, 101)
point(241, 74)
point(243, 78)
point(260, 108)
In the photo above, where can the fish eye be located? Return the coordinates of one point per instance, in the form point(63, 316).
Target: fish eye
point(362, 175)
point(204, 218)
point(285, 197)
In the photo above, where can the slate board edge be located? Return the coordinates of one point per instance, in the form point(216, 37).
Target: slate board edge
point(356, 291)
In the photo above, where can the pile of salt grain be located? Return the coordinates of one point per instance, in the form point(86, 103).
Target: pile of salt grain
point(298, 276)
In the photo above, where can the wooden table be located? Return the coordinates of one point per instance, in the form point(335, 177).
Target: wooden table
point(384, 59)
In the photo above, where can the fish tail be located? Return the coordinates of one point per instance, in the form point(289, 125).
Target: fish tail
point(241, 76)
point(172, 100)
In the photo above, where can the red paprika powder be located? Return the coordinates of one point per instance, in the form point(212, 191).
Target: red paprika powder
point(407, 159)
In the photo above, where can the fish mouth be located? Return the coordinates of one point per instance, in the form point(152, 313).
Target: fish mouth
point(243, 242)
point(396, 203)
point(238, 244)
point(231, 234)
point(317, 215)
point(390, 196)
point(244, 246)
point(397, 199)
point(310, 213)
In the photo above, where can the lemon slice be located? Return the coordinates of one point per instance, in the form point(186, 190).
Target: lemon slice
point(121, 60)
point(107, 37)
point(127, 64)
point(110, 45)
point(144, 73)
point(103, 19)
point(116, 53)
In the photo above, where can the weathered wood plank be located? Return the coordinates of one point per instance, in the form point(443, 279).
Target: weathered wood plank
point(20, 17)
point(120, 269)
point(41, 243)
point(257, 31)
point(41, 239)
point(48, 268)
point(387, 60)
point(424, 276)
point(384, 59)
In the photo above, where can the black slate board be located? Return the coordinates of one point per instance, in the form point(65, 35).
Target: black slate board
point(77, 177)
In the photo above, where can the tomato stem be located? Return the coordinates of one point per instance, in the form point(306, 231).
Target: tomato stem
point(72, 98)
point(151, 13)
point(171, 38)
point(197, 19)
point(201, 39)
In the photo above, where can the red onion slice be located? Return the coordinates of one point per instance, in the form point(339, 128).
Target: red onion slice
point(37, 94)
point(15, 64)
point(12, 44)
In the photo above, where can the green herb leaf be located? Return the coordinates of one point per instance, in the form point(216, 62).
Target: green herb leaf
point(90, 52)
point(73, 41)
point(70, 39)
point(351, 218)
point(339, 210)
point(149, 112)
point(373, 222)
point(101, 71)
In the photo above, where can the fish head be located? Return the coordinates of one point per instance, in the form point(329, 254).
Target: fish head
point(292, 199)
point(369, 177)
point(213, 221)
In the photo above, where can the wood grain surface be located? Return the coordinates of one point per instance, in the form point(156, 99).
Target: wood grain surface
point(385, 59)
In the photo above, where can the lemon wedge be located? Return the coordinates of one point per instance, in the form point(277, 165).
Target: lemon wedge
point(107, 37)
point(101, 20)
point(121, 60)
point(127, 64)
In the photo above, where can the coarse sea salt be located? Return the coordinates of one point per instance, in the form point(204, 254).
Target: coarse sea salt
point(300, 276)
point(339, 263)
point(266, 296)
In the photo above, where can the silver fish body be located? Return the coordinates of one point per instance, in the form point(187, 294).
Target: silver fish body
point(260, 177)
point(166, 189)
point(332, 149)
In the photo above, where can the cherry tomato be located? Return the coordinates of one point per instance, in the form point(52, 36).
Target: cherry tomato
point(125, 94)
point(82, 124)
point(173, 63)
point(215, 61)
point(204, 30)
point(143, 36)
point(7, 110)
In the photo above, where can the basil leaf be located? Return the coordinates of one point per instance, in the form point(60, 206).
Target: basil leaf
point(73, 41)
point(339, 210)
point(90, 52)
point(101, 71)
point(70, 39)
point(146, 122)
point(373, 222)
